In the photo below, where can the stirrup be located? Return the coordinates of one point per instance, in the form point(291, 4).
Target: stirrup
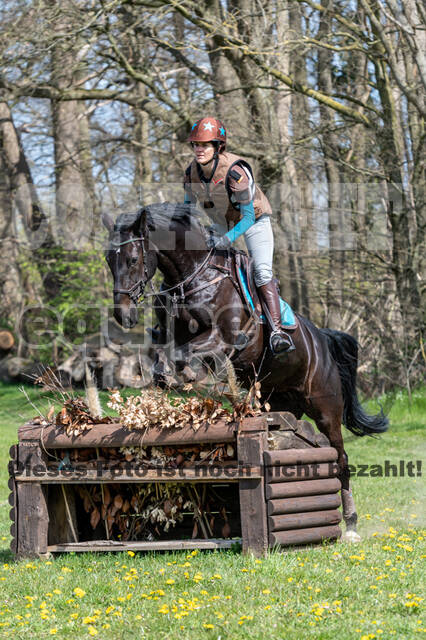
point(280, 342)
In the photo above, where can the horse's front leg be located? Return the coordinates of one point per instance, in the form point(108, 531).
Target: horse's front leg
point(329, 421)
point(206, 351)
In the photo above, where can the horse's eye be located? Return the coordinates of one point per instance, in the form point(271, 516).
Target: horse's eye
point(133, 260)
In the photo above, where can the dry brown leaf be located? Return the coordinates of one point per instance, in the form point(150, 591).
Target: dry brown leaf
point(95, 518)
point(118, 501)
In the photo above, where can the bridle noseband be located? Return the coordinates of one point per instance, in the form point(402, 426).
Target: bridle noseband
point(137, 290)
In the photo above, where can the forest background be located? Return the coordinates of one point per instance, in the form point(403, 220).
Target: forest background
point(325, 100)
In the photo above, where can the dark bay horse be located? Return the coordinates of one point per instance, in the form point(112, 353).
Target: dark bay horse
point(318, 378)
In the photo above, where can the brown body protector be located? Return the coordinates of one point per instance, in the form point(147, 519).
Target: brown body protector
point(229, 186)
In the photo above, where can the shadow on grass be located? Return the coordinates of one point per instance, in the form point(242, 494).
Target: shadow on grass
point(6, 556)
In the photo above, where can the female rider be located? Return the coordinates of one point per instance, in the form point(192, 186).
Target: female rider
point(223, 185)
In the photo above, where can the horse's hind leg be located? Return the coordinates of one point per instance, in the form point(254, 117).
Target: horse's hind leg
point(329, 421)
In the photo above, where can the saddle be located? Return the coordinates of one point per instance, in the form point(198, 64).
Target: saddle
point(242, 272)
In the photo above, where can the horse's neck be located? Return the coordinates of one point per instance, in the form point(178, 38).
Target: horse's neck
point(180, 262)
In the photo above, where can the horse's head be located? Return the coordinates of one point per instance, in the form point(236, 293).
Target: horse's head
point(131, 262)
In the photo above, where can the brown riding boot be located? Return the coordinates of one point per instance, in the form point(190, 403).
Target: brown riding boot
point(279, 340)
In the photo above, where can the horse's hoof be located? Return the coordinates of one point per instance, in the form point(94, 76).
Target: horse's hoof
point(351, 536)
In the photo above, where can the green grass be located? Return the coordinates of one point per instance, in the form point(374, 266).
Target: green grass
point(368, 590)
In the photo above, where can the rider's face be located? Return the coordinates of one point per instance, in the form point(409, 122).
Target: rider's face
point(203, 151)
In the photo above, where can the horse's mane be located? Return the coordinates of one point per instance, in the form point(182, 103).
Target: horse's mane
point(161, 217)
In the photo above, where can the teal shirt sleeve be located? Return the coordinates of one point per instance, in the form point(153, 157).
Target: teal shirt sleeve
point(247, 220)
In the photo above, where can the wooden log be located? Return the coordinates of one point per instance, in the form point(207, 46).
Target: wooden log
point(302, 488)
point(13, 452)
point(17, 365)
point(306, 503)
point(300, 456)
point(305, 536)
point(156, 545)
point(304, 520)
point(299, 472)
point(115, 435)
point(254, 528)
point(6, 340)
point(74, 366)
point(128, 372)
point(4, 370)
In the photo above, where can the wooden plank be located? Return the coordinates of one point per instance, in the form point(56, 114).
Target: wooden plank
point(115, 435)
point(303, 488)
point(213, 473)
point(156, 545)
point(60, 528)
point(304, 520)
point(305, 536)
point(306, 503)
point(282, 419)
point(300, 456)
point(33, 519)
point(283, 440)
point(254, 528)
point(301, 472)
point(255, 423)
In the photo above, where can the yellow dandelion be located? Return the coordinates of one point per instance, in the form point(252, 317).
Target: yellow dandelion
point(79, 592)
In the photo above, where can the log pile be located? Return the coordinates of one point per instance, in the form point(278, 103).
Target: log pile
point(118, 358)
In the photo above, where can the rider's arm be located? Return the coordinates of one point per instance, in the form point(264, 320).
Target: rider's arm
point(242, 195)
point(247, 220)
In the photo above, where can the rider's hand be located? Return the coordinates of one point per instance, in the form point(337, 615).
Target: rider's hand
point(223, 243)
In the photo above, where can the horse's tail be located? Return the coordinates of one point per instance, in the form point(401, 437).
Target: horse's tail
point(344, 350)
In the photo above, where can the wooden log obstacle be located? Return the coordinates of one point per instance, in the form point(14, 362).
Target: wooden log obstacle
point(282, 485)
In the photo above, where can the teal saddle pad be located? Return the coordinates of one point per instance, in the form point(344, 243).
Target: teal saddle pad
point(288, 318)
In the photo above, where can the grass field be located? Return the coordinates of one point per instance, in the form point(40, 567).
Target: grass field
point(363, 591)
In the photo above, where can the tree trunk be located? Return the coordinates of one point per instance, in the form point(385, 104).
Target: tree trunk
point(74, 216)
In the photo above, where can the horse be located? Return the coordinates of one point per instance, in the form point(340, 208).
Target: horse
point(317, 379)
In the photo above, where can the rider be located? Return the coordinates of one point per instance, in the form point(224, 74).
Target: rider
point(224, 186)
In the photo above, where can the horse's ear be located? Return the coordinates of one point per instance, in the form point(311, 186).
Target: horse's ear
point(145, 221)
point(108, 221)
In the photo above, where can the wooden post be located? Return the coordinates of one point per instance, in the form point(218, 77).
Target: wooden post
point(251, 443)
point(33, 520)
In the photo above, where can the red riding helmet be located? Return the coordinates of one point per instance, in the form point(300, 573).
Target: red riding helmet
point(208, 130)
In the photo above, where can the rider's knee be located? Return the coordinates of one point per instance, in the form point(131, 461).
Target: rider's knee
point(262, 275)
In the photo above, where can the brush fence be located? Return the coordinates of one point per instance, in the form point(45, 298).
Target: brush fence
point(283, 478)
